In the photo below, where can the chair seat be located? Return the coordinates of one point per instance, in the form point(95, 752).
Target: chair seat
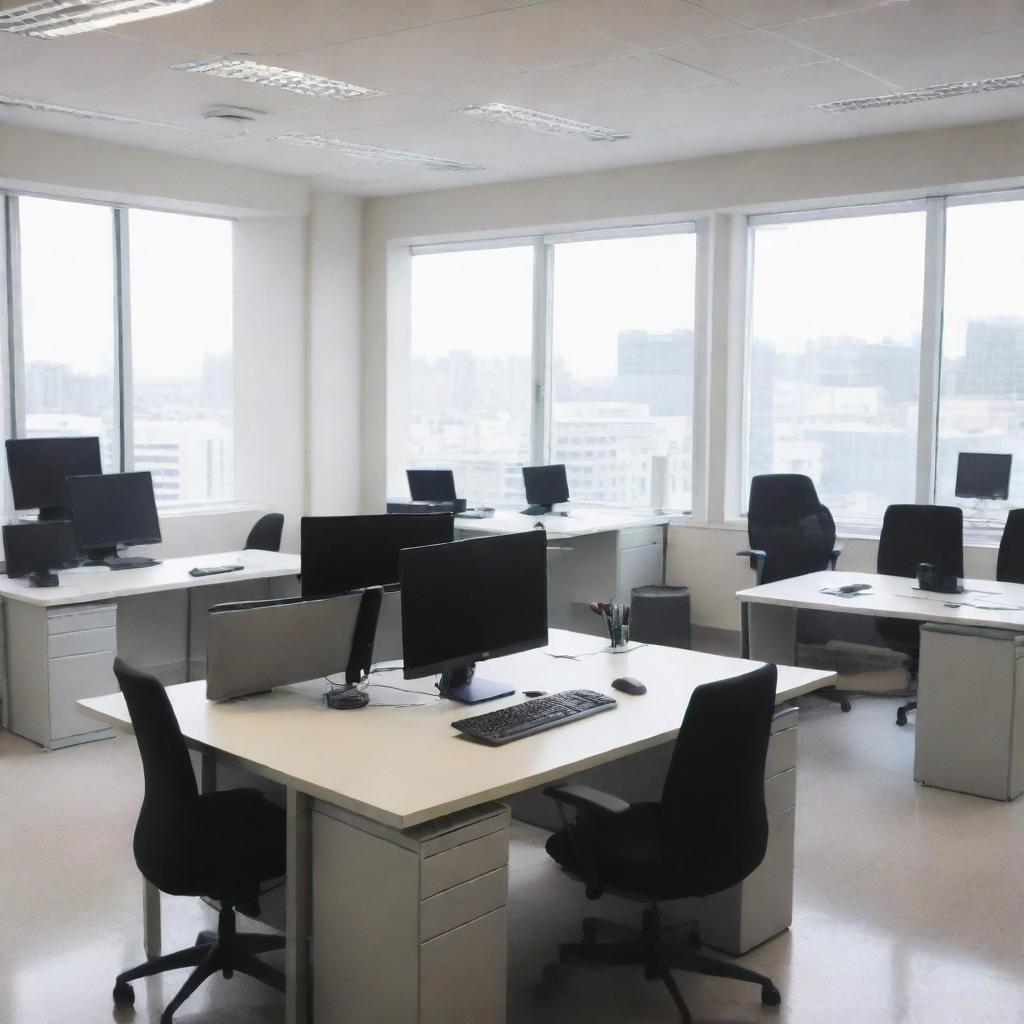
point(632, 851)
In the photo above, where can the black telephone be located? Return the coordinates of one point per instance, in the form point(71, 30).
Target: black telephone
point(929, 578)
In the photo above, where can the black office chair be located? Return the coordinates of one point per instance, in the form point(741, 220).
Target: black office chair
point(266, 533)
point(221, 845)
point(1010, 563)
point(708, 833)
point(791, 534)
point(912, 534)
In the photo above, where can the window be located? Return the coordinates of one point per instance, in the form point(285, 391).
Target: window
point(69, 323)
point(123, 328)
point(834, 355)
point(623, 364)
point(605, 383)
point(181, 280)
point(470, 383)
point(981, 403)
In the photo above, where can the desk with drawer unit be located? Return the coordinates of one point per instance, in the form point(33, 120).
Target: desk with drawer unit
point(394, 824)
point(60, 642)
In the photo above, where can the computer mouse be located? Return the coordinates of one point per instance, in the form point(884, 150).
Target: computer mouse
point(627, 684)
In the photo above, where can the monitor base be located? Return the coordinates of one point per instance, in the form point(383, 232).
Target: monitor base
point(536, 510)
point(464, 686)
point(43, 579)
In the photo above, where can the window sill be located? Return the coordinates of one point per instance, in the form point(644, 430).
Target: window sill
point(212, 508)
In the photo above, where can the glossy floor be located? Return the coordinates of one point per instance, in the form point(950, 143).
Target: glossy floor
point(909, 902)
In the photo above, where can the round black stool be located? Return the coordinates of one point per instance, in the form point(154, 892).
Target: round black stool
point(660, 615)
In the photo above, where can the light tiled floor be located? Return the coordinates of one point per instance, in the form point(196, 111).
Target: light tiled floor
point(909, 901)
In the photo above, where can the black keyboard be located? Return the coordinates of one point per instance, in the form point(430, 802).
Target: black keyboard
point(134, 562)
point(519, 720)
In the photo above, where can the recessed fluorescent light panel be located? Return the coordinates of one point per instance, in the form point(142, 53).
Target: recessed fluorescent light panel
point(931, 92)
point(537, 121)
point(49, 19)
point(15, 102)
point(376, 153)
point(279, 78)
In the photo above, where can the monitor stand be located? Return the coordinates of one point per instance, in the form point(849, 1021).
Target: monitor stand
point(536, 510)
point(463, 685)
point(43, 579)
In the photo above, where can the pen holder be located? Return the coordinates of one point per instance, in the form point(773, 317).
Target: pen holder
point(619, 637)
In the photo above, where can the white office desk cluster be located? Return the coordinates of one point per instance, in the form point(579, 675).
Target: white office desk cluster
point(61, 641)
point(593, 555)
point(393, 822)
point(969, 732)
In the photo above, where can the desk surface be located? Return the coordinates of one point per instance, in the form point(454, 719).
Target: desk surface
point(171, 574)
point(578, 523)
point(985, 602)
point(404, 766)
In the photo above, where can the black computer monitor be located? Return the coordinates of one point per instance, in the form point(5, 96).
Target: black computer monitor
point(470, 601)
point(545, 486)
point(983, 475)
point(111, 511)
point(36, 549)
point(40, 466)
point(431, 484)
point(343, 553)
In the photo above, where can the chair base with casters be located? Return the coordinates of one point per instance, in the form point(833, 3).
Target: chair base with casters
point(660, 950)
point(224, 951)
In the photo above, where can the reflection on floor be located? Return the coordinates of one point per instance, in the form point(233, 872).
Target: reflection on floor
point(909, 901)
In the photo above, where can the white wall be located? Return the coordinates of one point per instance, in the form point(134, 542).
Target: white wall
point(335, 357)
point(270, 367)
point(909, 164)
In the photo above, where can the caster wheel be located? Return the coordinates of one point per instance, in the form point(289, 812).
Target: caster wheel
point(770, 996)
point(844, 705)
point(124, 994)
point(901, 717)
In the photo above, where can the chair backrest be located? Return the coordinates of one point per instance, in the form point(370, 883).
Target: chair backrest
point(786, 520)
point(912, 534)
point(713, 798)
point(1010, 564)
point(266, 533)
point(165, 832)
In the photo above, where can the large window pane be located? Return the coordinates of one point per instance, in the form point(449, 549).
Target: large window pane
point(69, 322)
point(834, 356)
point(981, 406)
point(623, 350)
point(181, 320)
point(470, 374)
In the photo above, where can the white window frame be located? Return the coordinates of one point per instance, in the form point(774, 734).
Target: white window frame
point(932, 309)
point(543, 245)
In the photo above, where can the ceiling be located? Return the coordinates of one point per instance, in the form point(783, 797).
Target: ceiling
point(684, 78)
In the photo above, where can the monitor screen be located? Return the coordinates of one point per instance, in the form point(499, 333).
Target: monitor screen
point(342, 553)
point(117, 508)
point(38, 547)
point(545, 485)
point(983, 475)
point(431, 484)
point(40, 466)
point(473, 600)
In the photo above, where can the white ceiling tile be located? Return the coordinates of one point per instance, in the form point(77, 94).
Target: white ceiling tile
point(743, 54)
point(457, 51)
point(694, 106)
point(984, 56)
point(41, 68)
point(638, 75)
point(278, 27)
point(762, 13)
point(908, 23)
point(824, 82)
point(649, 23)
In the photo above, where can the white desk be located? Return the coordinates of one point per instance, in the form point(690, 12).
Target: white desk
point(61, 641)
point(392, 821)
point(970, 717)
point(593, 555)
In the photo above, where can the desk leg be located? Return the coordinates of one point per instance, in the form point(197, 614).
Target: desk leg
point(298, 889)
point(151, 929)
point(744, 629)
point(771, 633)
